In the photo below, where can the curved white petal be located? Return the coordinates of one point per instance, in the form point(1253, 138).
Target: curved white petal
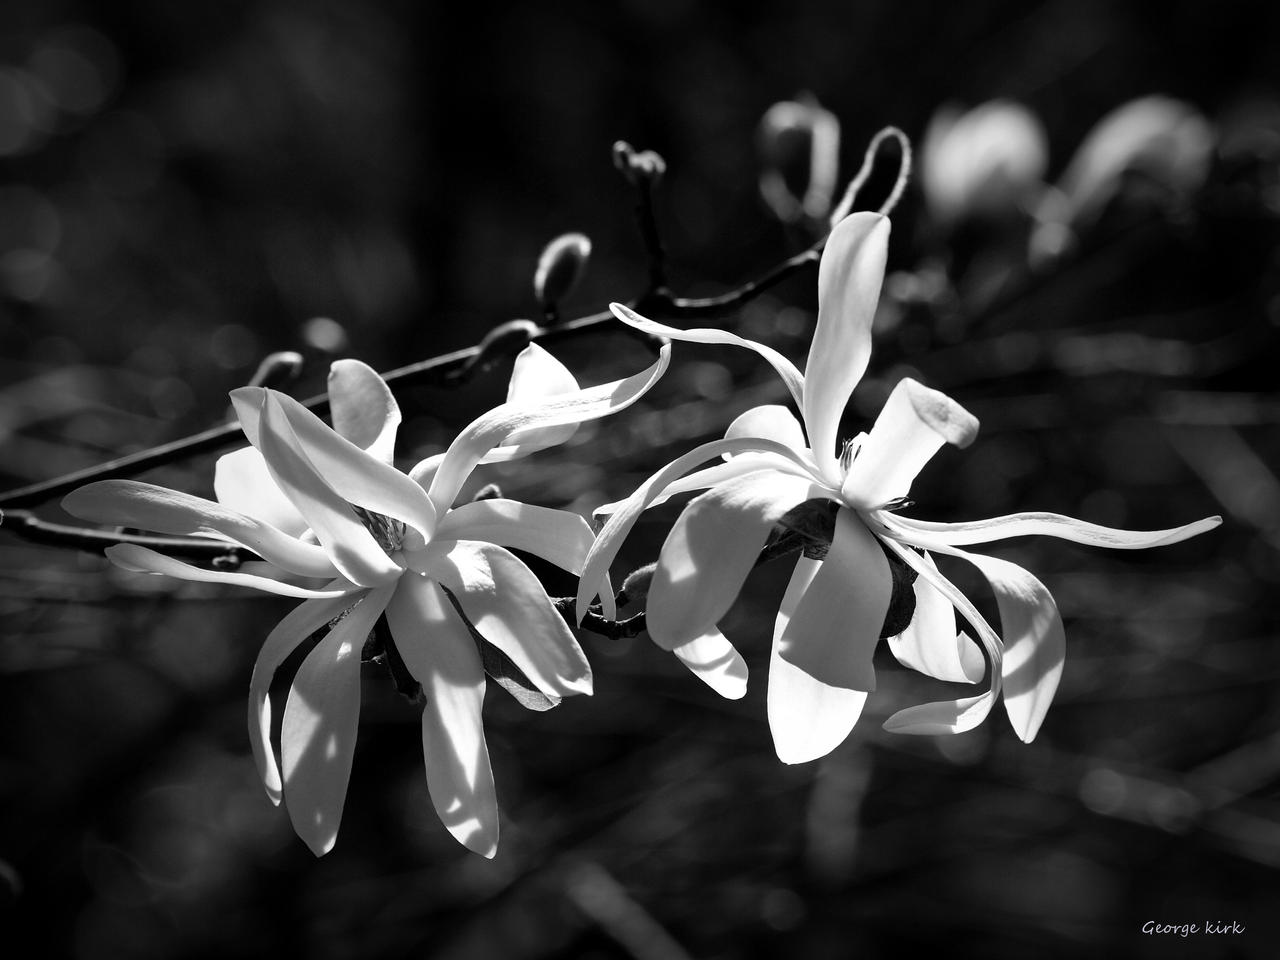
point(242, 482)
point(911, 428)
point(943, 716)
point(711, 548)
point(715, 662)
point(833, 631)
point(849, 279)
point(302, 621)
point(490, 429)
point(345, 539)
point(807, 718)
point(536, 376)
point(735, 465)
point(609, 539)
point(363, 409)
point(149, 507)
point(438, 650)
point(771, 421)
point(321, 719)
point(424, 471)
point(1044, 525)
point(785, 368)
point(508, 606)
point(130, 556)
point(356, 476)
point(931, 645)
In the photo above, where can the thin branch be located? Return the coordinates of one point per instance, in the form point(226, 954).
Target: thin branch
point(24, 524)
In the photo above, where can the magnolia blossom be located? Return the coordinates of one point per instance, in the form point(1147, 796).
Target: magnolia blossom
point(833, 610)
point(341, 528)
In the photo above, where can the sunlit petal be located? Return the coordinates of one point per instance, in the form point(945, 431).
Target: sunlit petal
point(849, 278)
point(536, 376)
point(438, 650)
point(833, 631)
point(771, 421)
point(490, 429)
point(942, 717)
point(1046, 525)
point(736, 465)
point(130, 556)
point(242, 482)
point(321, 718)
point(931, 645)
point(363, 409)
point(148, 507)
point(912, 426)
point(711, 548)
point(808, 718)
point(716, 663)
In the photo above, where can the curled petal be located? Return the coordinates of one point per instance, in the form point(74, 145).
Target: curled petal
point(735, 465)
point(785, 368)
point(363, 409)
point(715, 662)
point(609, 539)
point(242, 482)
point(771, 421)
point(130, 556)
point(833, 631)
point(911, 428)
point(489, 430)
point(148, 507)
point(931, 645)
point(536, 376)
point(808, 718)
point(849, 279)
point(942, 717)
point(1043, 525)
point(437, 648)
point(711, 549)
point(321, 718)
point(509, 608)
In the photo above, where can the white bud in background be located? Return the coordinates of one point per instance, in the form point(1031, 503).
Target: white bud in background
point(560, 267)
point(799, 145)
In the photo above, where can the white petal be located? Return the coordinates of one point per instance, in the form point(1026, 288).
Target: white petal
point(302, 621)
point(242, 482)
point(356, 476)
point(911, 428)
point(1046, 525)
point(345, 539)
point(130, 556)
point(148, 507)
point(489, 430)
point(942, 717)
point(536, 376)
point(609, 539)
point(833, 631)
point(321, 719)
point(438, 650)
point(735, 465)
point(785, 368)
point(363, 409)
point(771, 421)
point(849, 278)
point(711, 548)
point(931, 645)
point(808, 718)
point(716, 663)
point(509, 608)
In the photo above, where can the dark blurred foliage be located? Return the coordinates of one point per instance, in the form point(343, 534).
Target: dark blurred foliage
point(187, 187)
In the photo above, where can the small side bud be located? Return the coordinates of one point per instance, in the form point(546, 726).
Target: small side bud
point(635, 588)
point(277, 369)
point(561, 265)
point(638, 166)
point(799, 144)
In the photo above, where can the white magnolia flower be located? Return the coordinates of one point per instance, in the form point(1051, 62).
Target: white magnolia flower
point(316, 502)
point(832, 613)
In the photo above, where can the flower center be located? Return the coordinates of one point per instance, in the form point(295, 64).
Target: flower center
point(387, 531)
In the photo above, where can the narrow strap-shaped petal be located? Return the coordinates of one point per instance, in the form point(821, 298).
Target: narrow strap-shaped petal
point(440, 654)
point(356, 476)
point(242, 482)
point(808, 718)
point(771, 421)
point(490, 429)
point(942, 716)
point(149, 507)
point(833, 631)
point(302, 621)
point(911, 428)
point(130, 556)
point(785, 368)
point(509, 608)
point(715, 662)
point(609, 539)
point(931, 645)
point(535, 376)
point(711, 549)
point(735, 466)
point(363, 409)
point(1046, 525)
point(849, 279)
point(345, 539)
point(321, 719)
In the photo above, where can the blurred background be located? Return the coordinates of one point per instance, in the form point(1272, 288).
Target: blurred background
point(185, 188)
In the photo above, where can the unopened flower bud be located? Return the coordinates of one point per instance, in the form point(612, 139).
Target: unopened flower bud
point(638, 166)
point(561, 266)
point(799, 146)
